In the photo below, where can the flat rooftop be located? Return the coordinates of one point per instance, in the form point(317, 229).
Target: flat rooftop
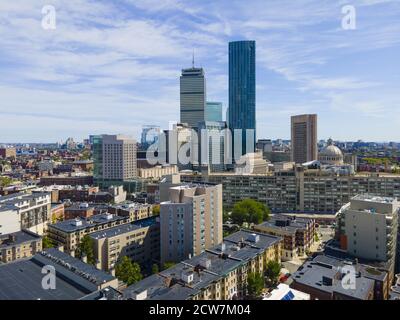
point(22, 280)
point(73, 225)
point(236, 250)
point(17, 238)
point(323, 273)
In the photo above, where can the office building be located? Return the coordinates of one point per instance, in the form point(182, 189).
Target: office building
point(304, 138)
point(150, 134)
point(192, 96)
point(22, 280)
point(139, 241)
point(212, 146)
point(300, 190)
point(114, 158)
point(119, 157)
point(213, 111)
point(19, 245)
point(219, 273)
point(191, 221)
point(242, 94)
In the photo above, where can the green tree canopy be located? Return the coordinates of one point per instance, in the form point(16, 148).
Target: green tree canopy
point(47, 243)
point(128, 271)
point(156, 210)
point(155, 269)
point(5, 181)
point(85, 248)
point(273, 271)
point(255, 284)
point(168, 264)
point(250, 211)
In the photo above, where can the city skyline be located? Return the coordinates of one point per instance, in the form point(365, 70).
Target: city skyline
point(88, 77)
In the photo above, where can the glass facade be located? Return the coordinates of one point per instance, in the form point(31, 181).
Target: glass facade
point(213, 111)
point(192, 96)
point(242, 88)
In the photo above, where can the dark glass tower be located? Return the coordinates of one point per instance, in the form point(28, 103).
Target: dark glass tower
point(242, 89)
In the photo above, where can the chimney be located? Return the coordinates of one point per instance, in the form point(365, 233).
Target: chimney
point(72, 253)
point(60, 248)
point(84, 258)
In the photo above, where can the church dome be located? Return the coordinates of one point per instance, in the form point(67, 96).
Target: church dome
point(331, 154)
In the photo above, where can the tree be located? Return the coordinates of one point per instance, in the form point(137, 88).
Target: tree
point(272, 272)
point(85, 248)
point(128, 271)
point(255, 284)
point(156, 210)
point(47, 243)
point(250, 211)
point(5, 181)
point(155, 269)
point(226, 216)
point(168, 264)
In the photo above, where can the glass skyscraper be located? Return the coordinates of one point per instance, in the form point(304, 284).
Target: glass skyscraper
point(242, 90)
point(193, 96)
point(213, 111)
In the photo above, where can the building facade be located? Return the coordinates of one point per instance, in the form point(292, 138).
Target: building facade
point(19, 245)
point(219, 273)
point(25, 211)
point(192, 96)
point(304, 138)
point(242, 92)
point(139, 241)
point(69, 233)
point(213, 111)
point(297, 233)
point(191, 221)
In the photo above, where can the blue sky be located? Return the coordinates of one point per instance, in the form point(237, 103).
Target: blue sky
point(113, 66)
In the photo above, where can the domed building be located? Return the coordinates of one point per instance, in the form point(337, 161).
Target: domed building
point(331, 155)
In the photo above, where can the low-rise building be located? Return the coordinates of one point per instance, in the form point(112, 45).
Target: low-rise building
point(67, 179)
point(328, 278)
point(219, 273)
point(297, 233)
point(69, 233)
point(57, 212)
point(19, 245)
point(139, 241)
point(8, 152)
point(25, 211)
point(79, 210)
point(284, 293)
point(133, 210)
point(74, 279)
point(157, 172)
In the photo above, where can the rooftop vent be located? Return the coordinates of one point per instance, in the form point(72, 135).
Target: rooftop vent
point(187, 276)
point(77, 222)
point(205, 263)
point(109, 216)
point(84, 205)
point(139, 295)
point(254, 238)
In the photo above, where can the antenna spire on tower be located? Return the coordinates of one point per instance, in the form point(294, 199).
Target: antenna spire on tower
point(193, 60)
